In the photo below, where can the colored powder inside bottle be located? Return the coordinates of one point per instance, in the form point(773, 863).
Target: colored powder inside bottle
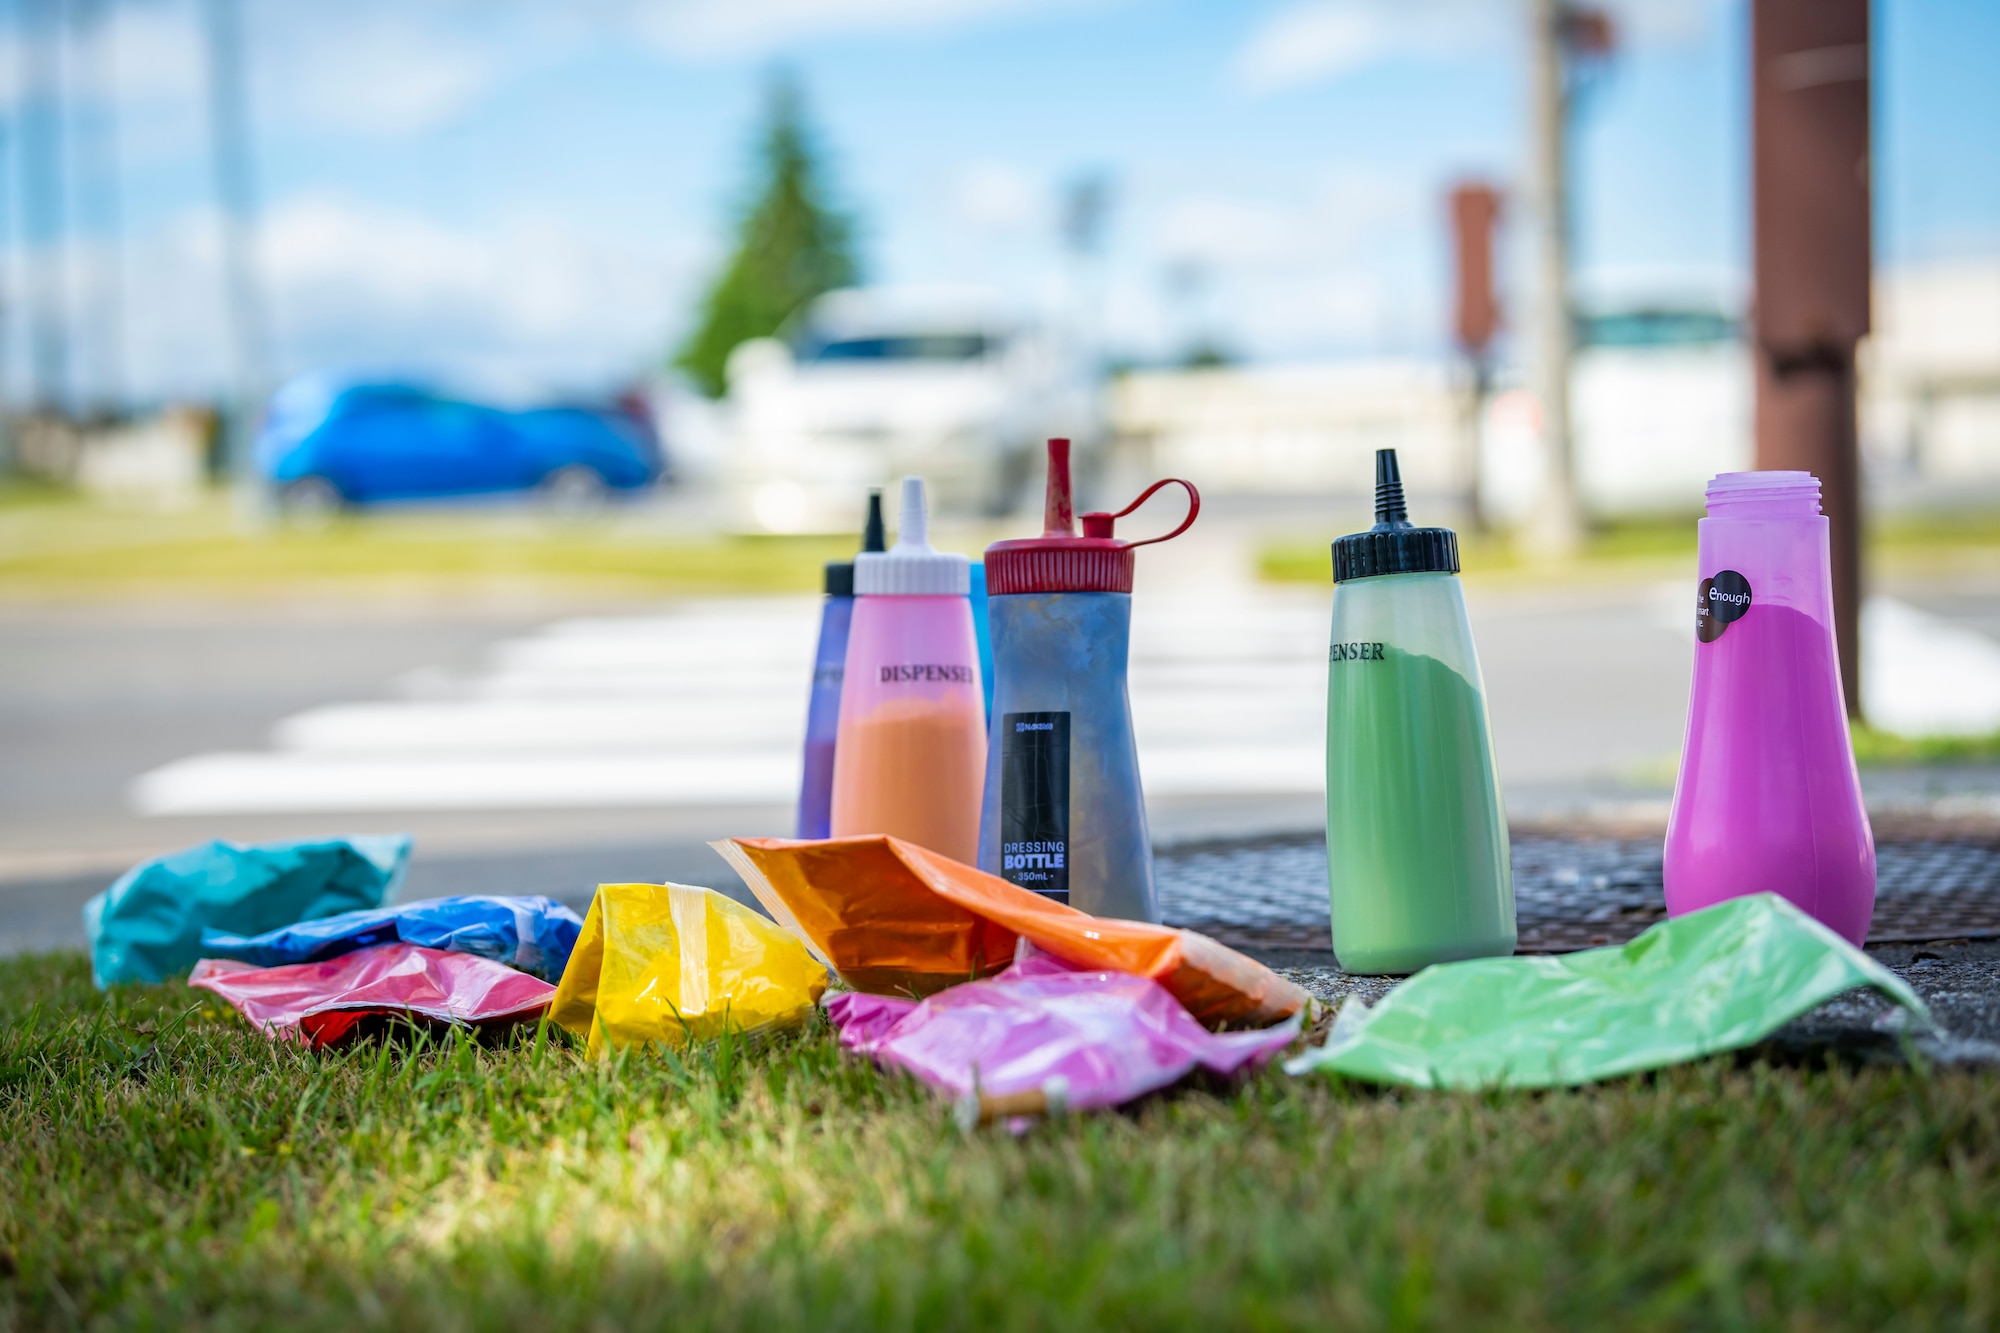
point(1416, 843)
point(1768, 800)
point(914, 768)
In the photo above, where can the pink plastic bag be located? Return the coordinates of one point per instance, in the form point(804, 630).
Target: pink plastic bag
point(1041, 1038)
point(320, 1003)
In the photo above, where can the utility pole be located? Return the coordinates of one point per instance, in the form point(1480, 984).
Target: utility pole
point(99, 206)
point(1475, 212)
point(8, 462)
point(1810, 197)
point(1557, 527)
point(1570, 42)
point(44, 239)
point(235, 192)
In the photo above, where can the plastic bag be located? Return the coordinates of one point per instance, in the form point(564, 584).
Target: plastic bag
point(534, 934)
point(895, 919)
point(1712, 981)
point(670, 963)
point(321, 1003)
point(1045, 1037)
point(148, 925)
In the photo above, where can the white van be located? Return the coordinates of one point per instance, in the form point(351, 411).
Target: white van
point(871, 384)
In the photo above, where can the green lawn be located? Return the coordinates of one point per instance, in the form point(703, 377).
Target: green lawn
point(1905, 546)
point(160, 1165)
point(56, 546)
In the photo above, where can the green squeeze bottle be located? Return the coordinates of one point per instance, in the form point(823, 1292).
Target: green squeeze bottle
point(1416, 840)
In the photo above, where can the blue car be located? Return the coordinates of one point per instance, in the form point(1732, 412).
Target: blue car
point(327, 444)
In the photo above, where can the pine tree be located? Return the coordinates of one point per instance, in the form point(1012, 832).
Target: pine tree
point(792, 246)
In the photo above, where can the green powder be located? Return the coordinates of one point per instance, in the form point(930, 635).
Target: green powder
point(1415, 842)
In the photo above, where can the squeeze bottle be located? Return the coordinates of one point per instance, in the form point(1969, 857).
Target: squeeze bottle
point(1064, 814)
point(1416, 840)
point(981, 632)
point(1768, 799)
point(829, 664)
point(912, 744)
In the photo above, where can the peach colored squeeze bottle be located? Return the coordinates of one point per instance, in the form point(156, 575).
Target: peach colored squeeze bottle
point(910, 759)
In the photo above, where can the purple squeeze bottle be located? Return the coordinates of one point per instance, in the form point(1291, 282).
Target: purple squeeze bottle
point(1768, 799)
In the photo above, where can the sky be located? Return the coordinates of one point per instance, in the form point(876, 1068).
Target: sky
point(527, 196)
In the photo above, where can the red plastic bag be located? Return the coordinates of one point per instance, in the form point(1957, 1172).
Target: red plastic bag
point(321, 1003)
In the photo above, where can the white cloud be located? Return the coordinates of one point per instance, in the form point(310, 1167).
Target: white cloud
point(1321, 39)
point(999, 197)
point(1334, 221)
point(527, 306)
point(723, 28)
point(379, 74)
point(1341, 266)
point(1314, 40)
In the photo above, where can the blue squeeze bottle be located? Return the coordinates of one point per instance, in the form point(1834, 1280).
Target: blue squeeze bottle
point(829, 667)
point(1064, 814)
point(982, 634)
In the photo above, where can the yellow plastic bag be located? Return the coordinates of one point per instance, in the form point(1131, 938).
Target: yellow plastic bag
point(673, 964)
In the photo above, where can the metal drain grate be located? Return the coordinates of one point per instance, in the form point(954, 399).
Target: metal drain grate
point(1569, 893)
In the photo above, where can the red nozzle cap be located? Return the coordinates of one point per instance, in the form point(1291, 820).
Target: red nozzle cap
point(1061, 561)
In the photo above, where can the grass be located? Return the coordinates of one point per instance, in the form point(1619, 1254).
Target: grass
point(1885, 749)
point(1664, 547)
point(56, 546)
point(160, 1165)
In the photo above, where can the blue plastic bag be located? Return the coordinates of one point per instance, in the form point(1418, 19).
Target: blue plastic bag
point(534, 934)
point(148, 925)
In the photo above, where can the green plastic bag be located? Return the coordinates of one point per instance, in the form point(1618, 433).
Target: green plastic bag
point(1714, 980)
point(148, 925)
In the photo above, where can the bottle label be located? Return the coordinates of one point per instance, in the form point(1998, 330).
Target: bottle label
point(1034, 802)
point(1720, 603)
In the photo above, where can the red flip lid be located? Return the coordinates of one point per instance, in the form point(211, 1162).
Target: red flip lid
point(1061, 561)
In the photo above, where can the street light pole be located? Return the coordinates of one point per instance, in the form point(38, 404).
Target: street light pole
point(235, 191)
point(44, 219)
point(1556, 528)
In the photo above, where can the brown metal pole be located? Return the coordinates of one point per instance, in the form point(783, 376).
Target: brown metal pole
point(1811, 236)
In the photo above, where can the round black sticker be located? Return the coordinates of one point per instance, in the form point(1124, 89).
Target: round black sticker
point(1720, 603)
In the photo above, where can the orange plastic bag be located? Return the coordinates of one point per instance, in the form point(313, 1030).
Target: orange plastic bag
point(894, 919)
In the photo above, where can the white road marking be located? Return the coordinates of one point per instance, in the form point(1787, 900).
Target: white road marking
point(706, 705)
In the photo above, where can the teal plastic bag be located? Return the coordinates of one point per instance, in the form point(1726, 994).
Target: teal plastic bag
point(1715, 980)
point(148, 925)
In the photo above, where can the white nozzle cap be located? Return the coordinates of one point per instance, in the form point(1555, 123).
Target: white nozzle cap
point(911, 568)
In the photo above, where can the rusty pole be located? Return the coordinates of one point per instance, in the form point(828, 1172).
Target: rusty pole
point(1811, 238)
point(1475, 211)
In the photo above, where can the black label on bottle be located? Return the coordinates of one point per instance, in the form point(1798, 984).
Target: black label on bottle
point(1034, 802)
point(1719, 604)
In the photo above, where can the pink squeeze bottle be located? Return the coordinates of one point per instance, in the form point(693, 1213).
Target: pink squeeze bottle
point(1768, 799)
point(910, 758)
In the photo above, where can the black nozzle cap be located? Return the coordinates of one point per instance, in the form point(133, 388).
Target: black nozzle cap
point(839, 578)
point(1394, 545)
point(1390, 511)
point(872, 537)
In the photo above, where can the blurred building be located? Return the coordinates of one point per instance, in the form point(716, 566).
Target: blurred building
point(1931, 382)
point(1661, 400)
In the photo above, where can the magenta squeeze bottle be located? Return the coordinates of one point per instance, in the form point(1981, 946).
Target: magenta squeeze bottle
point(910, 758)
point(1768, 800)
